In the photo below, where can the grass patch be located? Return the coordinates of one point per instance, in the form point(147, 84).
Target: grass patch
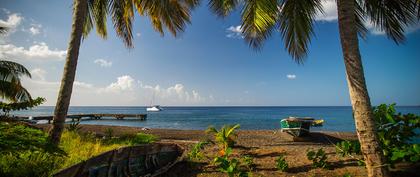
point(25, 151)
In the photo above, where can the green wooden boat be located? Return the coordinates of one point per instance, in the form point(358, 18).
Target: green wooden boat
point(295, 126)
point(143, 160)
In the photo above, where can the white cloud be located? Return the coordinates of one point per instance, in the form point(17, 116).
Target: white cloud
point(38, 74)
point(330, 11)
point(12, 22)
point(124, 91)
point(35, 29)
point(38, 51)
point(103, 63)
point(234, 32)
point(291, 76)
point(124, 83)
point(138, 34)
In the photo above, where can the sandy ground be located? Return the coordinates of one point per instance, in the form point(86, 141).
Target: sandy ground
point(263, 145)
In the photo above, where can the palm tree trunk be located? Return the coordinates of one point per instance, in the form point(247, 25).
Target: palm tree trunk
point(362, 110)
point(64, 95)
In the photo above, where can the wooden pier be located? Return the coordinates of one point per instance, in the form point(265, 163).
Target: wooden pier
point(78, 117)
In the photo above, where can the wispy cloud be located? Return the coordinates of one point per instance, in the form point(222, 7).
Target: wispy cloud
point(37, 52)
point(35, 29)
point(38, 74)
point(234, 32)
point(291, 76)
point(12, 22)
point(103, 63)
point(138, 34)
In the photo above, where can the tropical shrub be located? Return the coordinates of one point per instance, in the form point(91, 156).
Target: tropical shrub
point(16, 137)
point(17, 106)
point(345, 148)
point(109, 133)
point(224, 136)
point(230, 166)
point(195, 153)
point(142, 138)
point(248, 161)
point(74, 126)
point(319, 159)
point(29, 163)
point(282, 164)
point(396, 133)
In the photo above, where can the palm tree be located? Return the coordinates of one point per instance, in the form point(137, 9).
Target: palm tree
point(93, 13)
point(295, 22)
point(10, 74)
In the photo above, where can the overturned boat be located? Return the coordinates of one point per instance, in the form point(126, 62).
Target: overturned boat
point(142, 160)
point(299, 126)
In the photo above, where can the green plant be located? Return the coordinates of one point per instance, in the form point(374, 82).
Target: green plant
point(282, 164)
point(396, 133)
point(195, 153)
point(17, 106)
point(109, 133)
point(230, 166)
point(345, 148)
point(74, 126)
point(248, 161)
point(29, 163)
point(142, 138)
point(319, 159)
point(19, 137)
point(224, 136)
point(347, 175)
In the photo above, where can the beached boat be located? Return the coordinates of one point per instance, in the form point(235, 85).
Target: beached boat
point(296, 126)
point(155, 108)
point(317, 123)
point(143, 160)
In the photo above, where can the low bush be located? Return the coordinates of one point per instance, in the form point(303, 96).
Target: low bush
point(248, 161)
point(29, 163)
point(319, 159)
point(230, 166)
point(396, 133)
point(195, 153)
point(282, 164)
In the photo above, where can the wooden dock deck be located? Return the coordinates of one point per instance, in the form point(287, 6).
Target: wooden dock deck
point(141, 117)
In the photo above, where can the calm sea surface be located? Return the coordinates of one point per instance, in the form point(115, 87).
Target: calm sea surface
point(199, 118)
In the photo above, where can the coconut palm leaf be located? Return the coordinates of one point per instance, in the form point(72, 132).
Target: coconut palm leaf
point(223, 8)
point(296, 25)
point(392, 16)
point(3, 29)
point(259, 18)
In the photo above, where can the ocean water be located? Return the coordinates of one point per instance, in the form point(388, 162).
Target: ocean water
point(337, 118)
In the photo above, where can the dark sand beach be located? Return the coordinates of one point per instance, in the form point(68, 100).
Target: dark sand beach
point(263, 145)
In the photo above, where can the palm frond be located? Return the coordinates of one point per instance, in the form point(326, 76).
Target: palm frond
point(392, 16)
point(296, 25)
point(13, 90)
point(211, 129)
point(173, 15)
point(360, 20)
point(223, 8)
point(10, 67)
point(122, 15)
point(99, 11)
point(3, 29)
point(88, 24)
point(231, 130)
point(259, 18)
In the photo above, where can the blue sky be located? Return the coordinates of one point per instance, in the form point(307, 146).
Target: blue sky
point(209, 64)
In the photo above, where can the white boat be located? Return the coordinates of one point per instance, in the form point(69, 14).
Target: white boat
point(155, 108)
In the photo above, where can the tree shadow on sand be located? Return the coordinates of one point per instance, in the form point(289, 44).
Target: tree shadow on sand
point(314, 138)
point(187, 168)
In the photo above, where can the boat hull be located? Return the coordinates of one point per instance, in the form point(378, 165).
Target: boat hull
point(296, 127)
point(143, 160)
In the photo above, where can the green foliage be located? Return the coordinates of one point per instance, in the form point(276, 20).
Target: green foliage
point(282, 164)
point(345, 148)
point(230, 166)
point(73, 126)
point(195, 153)
point(319, 159)
point(248, 161)
point(19, 137)
point(142, 138)
point(347, 175)
point(29, 163)
point(396, 132)
point(24, 105)
point(109, 133)
point(224, 136)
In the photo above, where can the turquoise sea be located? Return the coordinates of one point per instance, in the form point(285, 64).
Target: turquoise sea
point(337, 118)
